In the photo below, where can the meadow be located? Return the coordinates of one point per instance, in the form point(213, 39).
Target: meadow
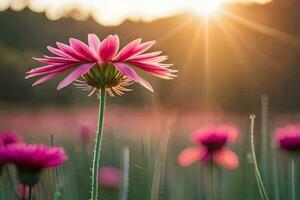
point(154, 138)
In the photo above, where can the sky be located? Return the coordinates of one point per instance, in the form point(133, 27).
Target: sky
point(114, 12)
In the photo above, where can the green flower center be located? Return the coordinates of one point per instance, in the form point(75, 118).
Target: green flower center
point(104, 76)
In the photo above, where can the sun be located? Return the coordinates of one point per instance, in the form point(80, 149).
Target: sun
point(207, 8)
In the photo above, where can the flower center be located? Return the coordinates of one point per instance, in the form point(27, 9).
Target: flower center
point(214, 142)
point(104, 76)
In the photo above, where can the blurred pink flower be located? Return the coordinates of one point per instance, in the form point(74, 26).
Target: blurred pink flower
point(84, 134)
point(7, 138)
point(211, 143)
point(101, 64)
point(30, 160)
point(288, 137)
point(109, 177)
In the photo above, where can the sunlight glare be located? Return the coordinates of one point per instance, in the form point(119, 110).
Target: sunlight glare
point(208, 8)
point(114, 12)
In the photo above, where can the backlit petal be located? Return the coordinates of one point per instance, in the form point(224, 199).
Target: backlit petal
point(226, 158)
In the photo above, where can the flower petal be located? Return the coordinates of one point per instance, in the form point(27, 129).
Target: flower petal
point(127, 50)
point(82, 49)
point(109, 47)
point(57, 52)
point(75, 74)
point(47, 68)
point(54, 69)
point(46, 78)
point(130, 73)
point(94, 42)
point(226, 158)
point(190, 155)
point(158, 70)
point(133, 49)
point(70, 51)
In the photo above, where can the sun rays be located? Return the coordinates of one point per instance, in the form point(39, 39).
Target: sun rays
point(114, 12)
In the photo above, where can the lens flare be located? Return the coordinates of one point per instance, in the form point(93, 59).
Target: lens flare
point(208, 8)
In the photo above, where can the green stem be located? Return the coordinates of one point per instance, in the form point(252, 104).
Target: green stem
point(29, 193)
point(97, 149)
point(293, 179)
point(212, 178)
point(260, 184)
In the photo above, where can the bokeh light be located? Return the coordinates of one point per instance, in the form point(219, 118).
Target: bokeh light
point(114, 12)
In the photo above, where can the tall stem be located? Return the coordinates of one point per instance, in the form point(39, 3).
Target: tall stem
point(97, 149)
point(212, 178)
point(29, 193)
point(293, 179)
point(263, 193)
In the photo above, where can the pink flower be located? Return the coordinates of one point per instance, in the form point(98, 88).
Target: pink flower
point(7, 138)
point(84, 134)
point(101, 65)
point(109, 177)
point(211, 142)
point(30, 160)
point(288, 137)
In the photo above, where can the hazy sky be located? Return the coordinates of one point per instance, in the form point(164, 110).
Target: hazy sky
point(113, 12)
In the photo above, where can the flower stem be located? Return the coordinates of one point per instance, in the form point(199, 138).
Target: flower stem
point(260, 184)
point(29, 193)
point(97, 149)
point(212, 178)
point(125, 181)
point(293, 179)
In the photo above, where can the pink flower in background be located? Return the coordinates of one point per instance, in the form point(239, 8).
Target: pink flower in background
point(109, 177)
point(288, 137)
point(84, 134)
point(34, 157)
point(101, 64)
point(30, 160)
point(7, 138)
point(211, 142)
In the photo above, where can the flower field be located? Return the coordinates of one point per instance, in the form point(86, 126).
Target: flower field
point(153, 141)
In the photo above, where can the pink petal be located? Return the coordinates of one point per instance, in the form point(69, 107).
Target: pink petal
point(154, 59)
point(54, 60)
point(190, 155)
point(94, 42)
point(57, 52)
point(226, 158)
point(82, 49)
point(54, 70)
point(48, 68)
point(141, 49)
point(75, 74)
point(130, 73)
point(148, 55)
point(46, 78)
point(109, 47)
point(70, 51)
point(156, 69)
point(127, 50)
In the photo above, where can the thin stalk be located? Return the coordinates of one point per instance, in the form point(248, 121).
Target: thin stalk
point(29, 193)
point(293, 179)
point(11, 181)
point(212, 178)
point(260, 185)
point(97, 149)
point(275, 177)
point(125, 180)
